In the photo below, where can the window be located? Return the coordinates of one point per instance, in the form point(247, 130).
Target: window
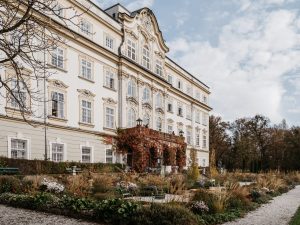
point(131, 50)
point(159, 68)
point(189, 136)
point(188, 112)
point(170, 79)
point(57, 152)
point(159, 124)
point(146, 57)
point(204, 142)
point(204, 99)
point(179, 84)
point(146, 119)
point(197, 116)
point(170, 128)
point(109, 42)
point(86, 69)
point(109, 156)
point(86, 154)
point(197, 139)
point(109, 117)
point(109, 80)
point(131, 92)
point(18, 149)
point(146, 95)
point(57, 106)
point(57, 57)
point(170, 107)
point(19, 94)
point(179, 109)
point(159, 101)
point(131, 118)
point(86, 27)
point(86, 108)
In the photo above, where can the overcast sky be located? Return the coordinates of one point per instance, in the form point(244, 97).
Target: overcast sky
point(247, 51)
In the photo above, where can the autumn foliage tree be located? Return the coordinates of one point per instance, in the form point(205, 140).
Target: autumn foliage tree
point(253, 144)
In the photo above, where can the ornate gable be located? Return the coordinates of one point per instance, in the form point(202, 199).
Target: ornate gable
point(144, 22)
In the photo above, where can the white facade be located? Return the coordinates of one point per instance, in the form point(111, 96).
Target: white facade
point(104, 79)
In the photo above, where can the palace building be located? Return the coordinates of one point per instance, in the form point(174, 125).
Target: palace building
point(113, 73)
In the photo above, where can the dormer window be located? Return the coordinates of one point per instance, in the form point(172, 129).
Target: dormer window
point(159, 68)
point(131, 49)
point(146, 57)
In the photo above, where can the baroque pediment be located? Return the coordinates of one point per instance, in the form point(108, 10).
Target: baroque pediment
point(86, 93)
point(146, 23)
point(57, 83)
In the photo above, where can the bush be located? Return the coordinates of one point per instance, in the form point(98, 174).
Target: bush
point(10, 184)
point(164, 214)
point(116, 211)
point(220, 218)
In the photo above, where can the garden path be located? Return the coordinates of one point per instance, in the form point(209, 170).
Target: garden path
point(16, 216)
point(278, 212)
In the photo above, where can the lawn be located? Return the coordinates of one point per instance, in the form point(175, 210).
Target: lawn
point(296, 218)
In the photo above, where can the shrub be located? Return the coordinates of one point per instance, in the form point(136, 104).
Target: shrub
point(220, 218)
point(10, 184)
point(116, 211)
point(78, 185)
point(199, 207)
point(177, 185)
point(164, 214)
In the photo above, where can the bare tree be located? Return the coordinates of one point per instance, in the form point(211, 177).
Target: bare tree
point(28, 35)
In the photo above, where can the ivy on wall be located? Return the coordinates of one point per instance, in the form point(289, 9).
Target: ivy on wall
point(145, 146)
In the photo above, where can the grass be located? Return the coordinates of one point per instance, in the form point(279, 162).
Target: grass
point(296, 218)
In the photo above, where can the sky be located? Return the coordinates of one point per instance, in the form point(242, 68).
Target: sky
point(246, 51)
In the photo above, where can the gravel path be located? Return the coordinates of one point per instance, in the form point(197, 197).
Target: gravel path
point(278, 212)
point(16, 216)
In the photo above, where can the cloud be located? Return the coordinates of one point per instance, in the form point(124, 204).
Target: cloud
point(181, 17)
point(246, 68)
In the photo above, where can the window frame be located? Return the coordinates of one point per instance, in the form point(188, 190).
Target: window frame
point(88, 110)
point(133, 123)
point(28, 145)
point(146, 57)
point(131, 50)
point(58, 110)
point(159, 68)
point(109, 75)
point(81, 69)
point(88, 33)
point(91, 153)
point(59, 58)
point(110, 115)
point(64, 158)
point(112, 155)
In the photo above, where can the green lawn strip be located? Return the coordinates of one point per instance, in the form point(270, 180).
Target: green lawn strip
point(296, 218)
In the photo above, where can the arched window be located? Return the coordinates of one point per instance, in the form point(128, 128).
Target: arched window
point(146, 119)
point(146, 94)
point(159, 124)
point(131, 118)
point(146, 57)
point(158, 101)
point(131, 90)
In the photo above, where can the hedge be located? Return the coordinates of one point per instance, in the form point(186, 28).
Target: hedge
point(36, 167)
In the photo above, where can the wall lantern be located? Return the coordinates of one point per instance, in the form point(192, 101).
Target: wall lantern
point(139, 122)
point(181, 133)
